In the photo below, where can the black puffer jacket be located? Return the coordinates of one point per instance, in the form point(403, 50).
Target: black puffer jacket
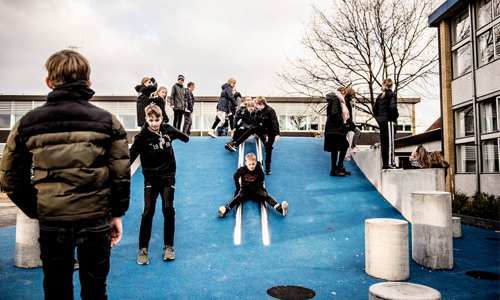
point(334, 121)
point(245, 119)
point(143, 101)
point(226, 96)
point(190, 100)
point(178, 97)
point(268, 119)
point(81, 158)
point(386, 107)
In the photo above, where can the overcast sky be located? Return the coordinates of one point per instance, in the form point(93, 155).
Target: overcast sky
point(206, 41)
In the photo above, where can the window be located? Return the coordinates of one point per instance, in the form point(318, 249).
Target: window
point(489, 151)
point(485, 51)
point(404, 124)
point(484, 13)
point(129, 122)
point(461, 61)
point(282, 121)
point(196, 122)
point(466, 158)
point(4, 121)
point(464, 122)
point(488, 115)
point(497, 40)
point(460, 27)
point(313, 123)
point(496, 8)
point(296, 123)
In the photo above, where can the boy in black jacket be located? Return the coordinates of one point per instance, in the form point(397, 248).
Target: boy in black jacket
point(154, 144)
point(268, 124)
point(251, 187)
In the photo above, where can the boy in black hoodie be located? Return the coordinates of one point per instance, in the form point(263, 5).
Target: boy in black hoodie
point(249, 182)
point(154, 144)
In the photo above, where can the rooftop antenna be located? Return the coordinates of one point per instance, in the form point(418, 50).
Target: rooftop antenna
point(74, 47)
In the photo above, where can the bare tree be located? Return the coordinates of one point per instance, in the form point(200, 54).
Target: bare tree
point(358, 43)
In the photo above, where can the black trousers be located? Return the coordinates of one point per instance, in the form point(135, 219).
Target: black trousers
point(92, 240)
point(165, 188)
point(178, 119)
point(259, 130)
point(387, 142)
point(258, 195)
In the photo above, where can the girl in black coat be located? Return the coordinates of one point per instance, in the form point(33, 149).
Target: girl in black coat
point(386, 111)
point(160, 98)
point(335, 134)
point(147, 86)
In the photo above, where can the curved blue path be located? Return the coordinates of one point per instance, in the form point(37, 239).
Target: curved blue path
point(319, 245)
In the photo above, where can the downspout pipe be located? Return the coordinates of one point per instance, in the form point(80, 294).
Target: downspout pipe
point(474, 98)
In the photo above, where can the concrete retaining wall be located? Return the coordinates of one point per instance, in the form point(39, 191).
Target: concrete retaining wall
point(397, 185)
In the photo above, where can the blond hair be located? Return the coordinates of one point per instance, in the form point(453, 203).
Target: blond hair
point(190, 84)
point(153, 110)
point(351, 93)
point(437, 158)
point(260, 100)
point(386, 85)
point(341, 90)
point(250, 104)
point(423, 157)
point(231, 80)
point(145, 79)
point(67, 66)
point(251, 157)
point(156, 95)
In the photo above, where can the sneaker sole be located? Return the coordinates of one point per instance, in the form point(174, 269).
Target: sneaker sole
point(168, 259)
point(143, 264)
point(221, 212)
point(214, 136)
point(284, 206)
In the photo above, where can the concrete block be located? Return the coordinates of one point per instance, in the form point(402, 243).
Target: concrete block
point(370, 163)
point(432, 239)
point(456, 227)
point(27, 246)
point(402, 291)
point(397, 186)
point(386, 249)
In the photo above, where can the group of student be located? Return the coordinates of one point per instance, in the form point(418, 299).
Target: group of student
point(181, 101)
point(81, 159)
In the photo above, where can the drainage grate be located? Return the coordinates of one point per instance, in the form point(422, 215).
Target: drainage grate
point(290, 292)
point(483, 275)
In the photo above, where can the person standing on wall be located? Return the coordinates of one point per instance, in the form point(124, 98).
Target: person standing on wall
point(386, 112)
point(178, 101)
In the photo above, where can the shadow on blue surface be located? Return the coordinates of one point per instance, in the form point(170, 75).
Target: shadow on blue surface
point(319, 245)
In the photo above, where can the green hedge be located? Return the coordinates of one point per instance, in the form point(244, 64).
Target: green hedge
point(480, 205)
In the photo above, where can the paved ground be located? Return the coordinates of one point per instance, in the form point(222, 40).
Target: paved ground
point(319, 245)
point(8, 211)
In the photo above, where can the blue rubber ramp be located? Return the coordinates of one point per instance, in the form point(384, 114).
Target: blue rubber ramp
point(319, 245)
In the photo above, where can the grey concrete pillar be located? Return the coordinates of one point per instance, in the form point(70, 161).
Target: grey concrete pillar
point(431, 235)
point(456, 227)
point(27, 246)
point(402, 291)
point(386, 249)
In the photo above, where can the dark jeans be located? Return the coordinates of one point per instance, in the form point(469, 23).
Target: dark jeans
point(58, 240)
point(165, 188)
point(387, 142)
point(178, 119)
point(259, 195)
point(259, 131)
point(187, 123)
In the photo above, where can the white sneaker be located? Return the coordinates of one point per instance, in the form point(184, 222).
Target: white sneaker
point(284, 206)
point(211, 133)
point(222, 211)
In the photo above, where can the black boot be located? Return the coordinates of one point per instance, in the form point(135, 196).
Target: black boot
point(343, 170)
point(337, 172)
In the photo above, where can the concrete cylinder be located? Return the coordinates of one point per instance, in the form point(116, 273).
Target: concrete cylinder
point(386, 249)
point(456, 227)
point(27, 246)
point(402, 291)
point(431, 235)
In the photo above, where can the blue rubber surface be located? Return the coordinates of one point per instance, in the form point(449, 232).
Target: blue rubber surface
point(319, 245)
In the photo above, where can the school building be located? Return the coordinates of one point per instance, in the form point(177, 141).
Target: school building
point(298, 116)
point(469, 64)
